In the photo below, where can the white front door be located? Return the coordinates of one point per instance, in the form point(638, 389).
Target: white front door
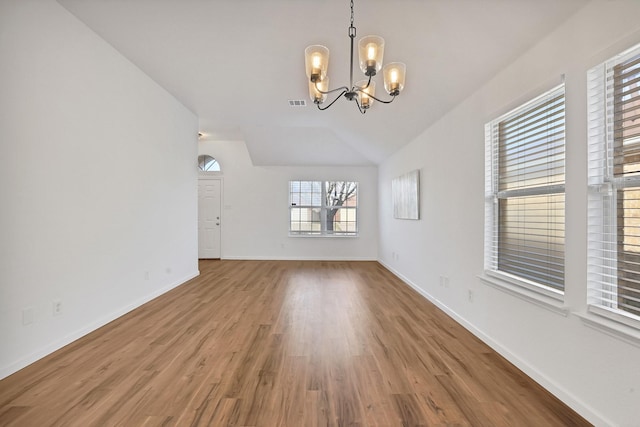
point(209, 198)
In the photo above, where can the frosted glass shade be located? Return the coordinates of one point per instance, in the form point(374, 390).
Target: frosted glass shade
point(363, 94)
point(371, 52)
point(316, 96)
point(316, 59)
point(394, 74)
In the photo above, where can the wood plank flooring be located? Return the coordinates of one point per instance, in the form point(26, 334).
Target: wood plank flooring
point(284, 343)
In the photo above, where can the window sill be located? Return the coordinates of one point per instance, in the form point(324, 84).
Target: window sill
point(611, 323)
point(319, 236)
point(548, 299)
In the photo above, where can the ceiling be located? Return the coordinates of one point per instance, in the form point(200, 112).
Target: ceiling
point(236, 63)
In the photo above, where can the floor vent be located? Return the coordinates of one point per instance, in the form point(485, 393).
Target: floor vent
point(297, 103)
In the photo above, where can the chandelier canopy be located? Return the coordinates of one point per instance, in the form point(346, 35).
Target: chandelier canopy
point(370, 54)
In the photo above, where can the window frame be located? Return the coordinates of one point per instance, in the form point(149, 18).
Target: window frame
point(605, 184)
point(214, 169)
point(531, 290)
point(323, 209)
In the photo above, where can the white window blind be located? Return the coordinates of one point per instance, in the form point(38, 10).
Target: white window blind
point(524, 192)
point(614, 185)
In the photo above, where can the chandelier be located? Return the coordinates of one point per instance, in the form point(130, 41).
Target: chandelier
point(370, 53)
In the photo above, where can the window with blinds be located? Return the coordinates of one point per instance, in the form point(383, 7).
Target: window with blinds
point(524, 191)
point(614, 186)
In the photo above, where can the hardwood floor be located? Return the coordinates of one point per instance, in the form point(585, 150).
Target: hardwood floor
point(286, 343)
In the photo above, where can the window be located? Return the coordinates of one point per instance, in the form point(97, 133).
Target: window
point(323, 208)
point(207, 163)
point(524, 194)
point(614, 187)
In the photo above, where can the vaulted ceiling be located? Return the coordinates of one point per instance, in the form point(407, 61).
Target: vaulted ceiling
point(236, 63)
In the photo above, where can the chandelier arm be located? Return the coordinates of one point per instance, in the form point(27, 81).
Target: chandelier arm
point(381, 100)
point(361, 89)
point(332, 102)
point(359, 108)
point(342, 88)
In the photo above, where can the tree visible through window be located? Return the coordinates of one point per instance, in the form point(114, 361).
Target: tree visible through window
point(323, 208)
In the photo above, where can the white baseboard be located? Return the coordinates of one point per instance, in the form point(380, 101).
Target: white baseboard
point(565, 396)
point(295, 258)
point(68, 339)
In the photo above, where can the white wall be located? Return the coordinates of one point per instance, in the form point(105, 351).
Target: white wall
point(97, 180)
point(255, 209)
point(594, 372)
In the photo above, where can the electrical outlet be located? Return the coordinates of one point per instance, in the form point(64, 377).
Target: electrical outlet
point(471, 295)
point(147, 275)
point(168, 270)
point(57, 307)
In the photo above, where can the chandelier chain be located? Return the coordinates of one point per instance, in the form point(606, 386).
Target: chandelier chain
point(352, 13)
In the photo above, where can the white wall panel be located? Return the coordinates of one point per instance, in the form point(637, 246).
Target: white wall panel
point(97, 181)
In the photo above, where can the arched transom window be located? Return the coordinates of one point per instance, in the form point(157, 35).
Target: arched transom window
point(206, 163)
